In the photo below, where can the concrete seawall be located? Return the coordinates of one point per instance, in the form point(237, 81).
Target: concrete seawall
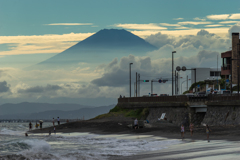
point(222, 113)
point(176, 112)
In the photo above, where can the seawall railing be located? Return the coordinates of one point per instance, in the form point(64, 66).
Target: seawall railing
point(201, 98)
point(154, 99)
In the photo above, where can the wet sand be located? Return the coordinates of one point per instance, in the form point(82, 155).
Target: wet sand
point(167, 130)
point(224, 140)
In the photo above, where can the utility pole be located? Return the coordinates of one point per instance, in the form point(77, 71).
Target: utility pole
point(136, 84)
point(139, 84)
point(130, 79)
point(175, 82)
point(151, 86)
point(172, 70)
point(195, 79)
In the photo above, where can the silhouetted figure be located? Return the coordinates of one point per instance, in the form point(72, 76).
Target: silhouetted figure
point(120, 96)
point(135, 124)
point(58, 120)
point(41, 124)
point(26, 134)
point(208, 131)
point(30, 126)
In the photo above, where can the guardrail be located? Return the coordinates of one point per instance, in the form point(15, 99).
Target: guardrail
point(223, 97)
point(154, 99)
point(210, 97)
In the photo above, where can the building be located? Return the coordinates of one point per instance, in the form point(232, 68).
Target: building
point(205, 74)
point(227, 63)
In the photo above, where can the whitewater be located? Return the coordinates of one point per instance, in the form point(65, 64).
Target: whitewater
point(74, 146)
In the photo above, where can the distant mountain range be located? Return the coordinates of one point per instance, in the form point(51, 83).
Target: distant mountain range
point(104, 45)
point(27, 108)
point(87, 113)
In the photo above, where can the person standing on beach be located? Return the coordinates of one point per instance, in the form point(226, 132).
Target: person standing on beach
point(40, 124)
point(53, 121)
point(182, 131)
point(30, 126)
point(58, 121)
point(207, 131)
point(191, 126)
point(135, 124)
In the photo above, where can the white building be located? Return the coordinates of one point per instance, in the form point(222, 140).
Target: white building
point(205, 74)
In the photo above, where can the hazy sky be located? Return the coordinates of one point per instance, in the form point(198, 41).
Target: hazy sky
point(32, 31)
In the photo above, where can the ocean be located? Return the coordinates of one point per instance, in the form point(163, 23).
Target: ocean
point(74, 146)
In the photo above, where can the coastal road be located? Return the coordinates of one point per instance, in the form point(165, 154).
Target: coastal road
point(199, 149)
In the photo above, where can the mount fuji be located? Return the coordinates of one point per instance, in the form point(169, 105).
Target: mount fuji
point(103, 46)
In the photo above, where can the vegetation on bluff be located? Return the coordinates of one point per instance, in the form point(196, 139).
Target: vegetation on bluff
point(140, 113)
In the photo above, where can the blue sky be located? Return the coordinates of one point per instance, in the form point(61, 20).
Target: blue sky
point(24, 17)
point(32, 31)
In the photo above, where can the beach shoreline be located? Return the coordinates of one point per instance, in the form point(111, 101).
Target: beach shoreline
point(166, 130)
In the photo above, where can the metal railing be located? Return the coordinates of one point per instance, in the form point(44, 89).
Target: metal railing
point(154, 99)
point(226, 67)
point(199, 98)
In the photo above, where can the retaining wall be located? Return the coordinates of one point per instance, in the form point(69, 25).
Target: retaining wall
point(223, 113)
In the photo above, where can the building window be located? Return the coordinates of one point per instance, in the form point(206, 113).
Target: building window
point(217, 73)
point(211, 74)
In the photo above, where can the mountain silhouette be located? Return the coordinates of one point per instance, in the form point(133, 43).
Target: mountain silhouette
point(102, 46)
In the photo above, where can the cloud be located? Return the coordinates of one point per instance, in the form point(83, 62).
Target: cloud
point(150, 26)
point(214, 25)
point(41, 43)
point(159, 39)
point(218, 16)
point(227, 22)
point(4, 87)
point(178, 18)
point(167, 24)
point(40, 89)
point(199, 19)
point(235, 16)
point(193, 23)
point(69, 24)
point(204, 32)
point(234, 28)
point(187, 44)
point(116, 76)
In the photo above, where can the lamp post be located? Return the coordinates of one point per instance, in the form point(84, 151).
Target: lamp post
point(181, 85)
point(172, 70)
point(130, 78)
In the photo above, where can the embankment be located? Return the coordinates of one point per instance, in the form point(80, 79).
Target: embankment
point(223, 113)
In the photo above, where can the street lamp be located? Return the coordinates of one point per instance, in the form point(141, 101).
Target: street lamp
point(130, 78)
point(172, 70)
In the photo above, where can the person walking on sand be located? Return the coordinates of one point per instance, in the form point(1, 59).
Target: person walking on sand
point(207, 131)
point(58, 121)
point(53, 121)
point(182, 131)
point(135, 124)
point(191, 126)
